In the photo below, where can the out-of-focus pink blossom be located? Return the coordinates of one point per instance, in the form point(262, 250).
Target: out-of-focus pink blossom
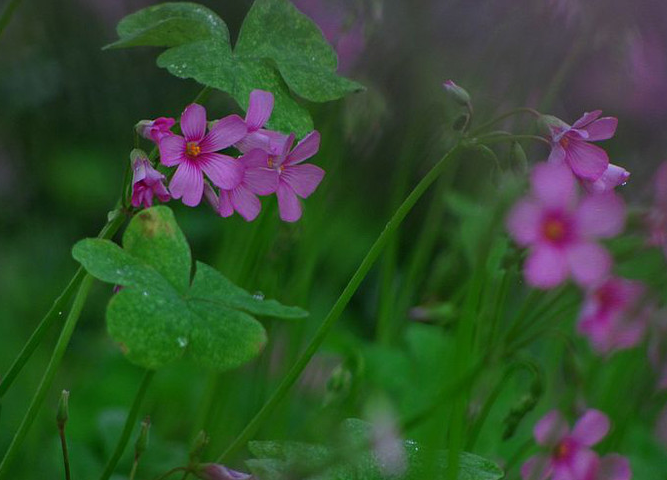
point(610, 179)
point(561, 230)
point(570, 144)
point(611, 317)
point(569, 456)
point(214, 471)
point(609, 467)
point(194, 153)
point(146, 182)
point(156, 129)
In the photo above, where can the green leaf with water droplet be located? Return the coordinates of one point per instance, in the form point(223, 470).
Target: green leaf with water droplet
point(159, 316)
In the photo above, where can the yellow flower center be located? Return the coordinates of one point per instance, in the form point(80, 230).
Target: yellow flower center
point(192, 149)
point(554, 230)
point(564, 142)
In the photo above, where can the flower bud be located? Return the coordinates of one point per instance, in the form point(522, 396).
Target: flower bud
point(155, 129)
point(213, 471)
point(63, 409)
point(458, 94)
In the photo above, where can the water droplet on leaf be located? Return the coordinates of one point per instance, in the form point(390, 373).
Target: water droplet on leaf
point(182, 342)
point(258, 296)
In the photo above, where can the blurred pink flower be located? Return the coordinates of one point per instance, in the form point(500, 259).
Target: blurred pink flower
point(610, 179)
point(214, 471)
point(610, 467)
point(569, 456)
point(257, 179)
point(146, 182)
point(195, 154)
point(156, 129)
point(569, 144)
point(610, 316)
point(560, 230)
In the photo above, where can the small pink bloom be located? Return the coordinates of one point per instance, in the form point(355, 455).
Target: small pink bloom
point(146, 182)
point(194, 153)
point(296, 179)
point(155, 129)
point(610, 179)
point(257, 179)
point(458, 93)
point(260, 106)
point(610, 316)
point(561, 231)
point(569, 144)
point(569, 456)
point(214, 471)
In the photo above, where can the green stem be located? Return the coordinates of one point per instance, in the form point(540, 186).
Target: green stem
point(7, 13)
point(499, 137)
point(503, 116)
point(63, 444)
point(55, 312)
point(130, 422)
point(49, 374)
point(340, 304)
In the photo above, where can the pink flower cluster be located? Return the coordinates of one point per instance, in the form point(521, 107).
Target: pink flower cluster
point(268, 164)
point(569, 455)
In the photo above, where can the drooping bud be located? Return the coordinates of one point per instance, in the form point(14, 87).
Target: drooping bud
point(155, 129)
point(459, 94)
point(142, 440)
point(214, 471)
point(63, 409)
point(146, 182)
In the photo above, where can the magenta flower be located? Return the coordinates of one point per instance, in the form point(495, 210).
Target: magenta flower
point(257, 179)
point(146, 182)
point(560, 230)
point(194, 153)
point(610, 179)
point(569, 456)
point(156, 129)
point(610, 316)
point(260, 106)
point(296, 179)
point(610, 467)
point(569, 144)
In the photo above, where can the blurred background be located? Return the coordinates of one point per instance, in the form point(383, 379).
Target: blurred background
point(67, 111)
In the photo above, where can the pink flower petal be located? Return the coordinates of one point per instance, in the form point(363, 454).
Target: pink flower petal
point(224, 171)
point(601, 215)
point(551, 429)
point(587, 161)
point(187, 182)
point(260, 106)
point(254, 141)
point(288, 203)
point(305, 149)
point(538, 467)
point(245, 202)
point(589, 263)
point(587, 118)
point(172, 150)
point(614, 467)
point(211, 196)
point(225, 207)
point(582, 465)
point(546, 267)
point(226, 131)
point(553, 184)
point(610, 179)
point(523, 222)
point(591, 427)
point(303, 179)
point(255, 158)
point(557, 154)
point(261, 181)
point(193, 122)
point(602, 129)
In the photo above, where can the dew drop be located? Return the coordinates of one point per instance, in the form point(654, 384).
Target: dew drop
point(182, 342)
point(258, 296)
point(145, 294)
point(60, 313)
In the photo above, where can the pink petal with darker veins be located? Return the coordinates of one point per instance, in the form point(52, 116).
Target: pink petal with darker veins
point(305, 149)
point(553, 184)
point(225, 207)
point(601, 215)
point(193, 122)
point(224, 171)
point(245, 202)
point(188, 183)
point(172, 150)
point(546, 267)
point(591, 427)
point(602, 129)
point(255, 158)
point(288, 203)
point(260, 107)
point(587, 118)
point(551, 429)
point(261, 181)
point(557, 154)
point(589, 263)
point(303, 179)
point(610, 179)
point(523, 222)
point(586, 160)
point(256, 141)
point(226, 131)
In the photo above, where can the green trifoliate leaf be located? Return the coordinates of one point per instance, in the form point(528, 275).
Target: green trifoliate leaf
point(159, 316)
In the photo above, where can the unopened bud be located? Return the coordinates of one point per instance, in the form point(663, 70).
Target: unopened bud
point(142, 441)
point(136, 155)
point(63, 409)
point(518, 158)
point(213, 471)
point(458, 94)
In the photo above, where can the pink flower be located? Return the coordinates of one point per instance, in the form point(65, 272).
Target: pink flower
point(610, 317)
point(296, 179)
point(155, 129)
point(569, 144)
point(569, 456)
point(257, 179)
point(560, 230)
point(260, 106)
point(146, 182)
point(195, 154)
point(610, 467)
point(610, 179)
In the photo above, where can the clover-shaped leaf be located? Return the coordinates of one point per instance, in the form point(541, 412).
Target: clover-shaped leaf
point(278, 49)
point(159, 315)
